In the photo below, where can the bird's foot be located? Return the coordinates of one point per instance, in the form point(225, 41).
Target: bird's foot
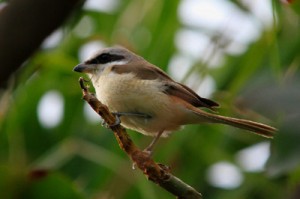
point(148, 151)
point(119, 114)
point(117, 121)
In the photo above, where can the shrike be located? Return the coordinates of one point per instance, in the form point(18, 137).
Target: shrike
point(147, 100)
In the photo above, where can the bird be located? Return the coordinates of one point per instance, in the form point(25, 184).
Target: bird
point(150, 102)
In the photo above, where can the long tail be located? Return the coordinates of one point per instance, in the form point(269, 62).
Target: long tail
point(258, 128)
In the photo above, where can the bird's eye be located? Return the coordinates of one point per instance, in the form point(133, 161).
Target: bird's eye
point(104, 58)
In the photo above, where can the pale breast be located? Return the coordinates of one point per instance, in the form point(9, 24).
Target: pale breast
point(122, 92)
point(125, 93)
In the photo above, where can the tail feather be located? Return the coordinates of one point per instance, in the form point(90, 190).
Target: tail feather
point(258, 128)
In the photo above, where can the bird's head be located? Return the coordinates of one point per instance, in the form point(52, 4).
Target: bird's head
point(105, 58)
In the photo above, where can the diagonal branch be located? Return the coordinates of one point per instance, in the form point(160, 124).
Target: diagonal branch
point(157, 173)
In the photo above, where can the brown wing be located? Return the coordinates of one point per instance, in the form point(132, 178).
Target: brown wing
point(149, 72)
point(183, 92)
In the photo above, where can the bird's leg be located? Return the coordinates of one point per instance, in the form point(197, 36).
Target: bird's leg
point(134, 114)
point(150, 147)
point(119, 114)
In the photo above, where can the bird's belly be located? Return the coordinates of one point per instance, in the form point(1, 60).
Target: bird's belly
point(129, 95)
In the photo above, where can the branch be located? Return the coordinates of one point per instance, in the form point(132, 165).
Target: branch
point(157, 173)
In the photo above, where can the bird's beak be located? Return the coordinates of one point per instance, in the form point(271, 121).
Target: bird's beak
point(83, 68)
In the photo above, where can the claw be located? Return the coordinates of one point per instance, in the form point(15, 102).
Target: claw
point(149, 151)
point(118, 120)
point(104, 124)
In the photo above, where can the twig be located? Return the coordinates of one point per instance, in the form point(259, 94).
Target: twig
point(157, 173)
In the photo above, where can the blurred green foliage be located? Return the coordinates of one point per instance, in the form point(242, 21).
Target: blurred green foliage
point(81, 159)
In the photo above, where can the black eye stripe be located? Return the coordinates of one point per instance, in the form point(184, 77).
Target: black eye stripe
point(105, 58)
